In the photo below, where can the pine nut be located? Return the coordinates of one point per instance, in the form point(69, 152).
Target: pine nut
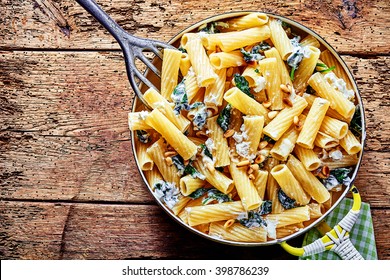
point(263, 144)
point(259, 159)
point(243, 163)
point(170, 154)
point(228, 133)
point(296, 120)
point(255, 167)
point(201, 133)
point(284, 88)
point(267, 104)
point(169, 161)
point(272, 114)
point(288, 102)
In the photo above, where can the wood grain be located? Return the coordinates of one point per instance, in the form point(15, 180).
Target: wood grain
point(69, 186)
point(87, 94)
point(31, 230)
point(350, 26)
point(64, 133)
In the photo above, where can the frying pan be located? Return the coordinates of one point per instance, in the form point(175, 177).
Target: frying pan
point(340, 232)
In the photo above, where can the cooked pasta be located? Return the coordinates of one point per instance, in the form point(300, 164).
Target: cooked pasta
point(248, 130)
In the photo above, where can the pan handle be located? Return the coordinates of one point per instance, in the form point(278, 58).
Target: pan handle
point(336, 239)
point(104, 19)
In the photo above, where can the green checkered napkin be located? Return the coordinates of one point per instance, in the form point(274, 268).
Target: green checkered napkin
point(361, 235)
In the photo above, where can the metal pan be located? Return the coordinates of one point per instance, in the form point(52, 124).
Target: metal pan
point(296, 27)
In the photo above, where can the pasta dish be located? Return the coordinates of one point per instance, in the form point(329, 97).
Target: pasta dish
point(253, 130)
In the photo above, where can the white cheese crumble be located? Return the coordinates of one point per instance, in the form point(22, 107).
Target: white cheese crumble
point(336, 155)
point(340, 85)
point(210, 145)
point(242, 146)
point(271, 228)
point(167, 192)
point(259, 84)
point(142, 115)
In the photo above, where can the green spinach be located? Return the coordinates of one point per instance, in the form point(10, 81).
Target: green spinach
point(242, 84)
point(223, 119)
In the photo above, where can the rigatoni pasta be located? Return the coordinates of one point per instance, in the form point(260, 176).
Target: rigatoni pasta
point(251, 133)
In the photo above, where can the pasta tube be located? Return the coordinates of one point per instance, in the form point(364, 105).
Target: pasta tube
point(337, 101)
point(248, 194)
point(222, 60)
point(289, 184)
point(280, 39)
point(188, 184)
point(237, 232)
point(169, 172)
point(313, 122)
point(334, 128)
point(308, 181)
point(170, 71)
point(215, 178)
point(284, 119)
point(350, 144)
point(306, 69)
point(219, 142)
point(268, 68)
point(172, 134)
point(308, 157)
point(157, 101)
point(214, 212)
point(200, 62)
point(290, 216)
point(245, 104)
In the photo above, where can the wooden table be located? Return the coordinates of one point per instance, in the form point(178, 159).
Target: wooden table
point(69, 186)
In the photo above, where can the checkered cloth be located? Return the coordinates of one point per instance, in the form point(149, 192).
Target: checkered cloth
point(361, 235)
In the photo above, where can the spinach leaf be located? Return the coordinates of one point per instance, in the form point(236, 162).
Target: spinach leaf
point(266, 207)
point(268, 139)
point(263, 46)
point(198, 193)
point(296, 56)
point(337, 177)
point(186, 169)
point(180, 98)
point(340, 174)
point(143, 136)
point(223, 119)
point(253, 220)
point(206, 151)
point(242, 84)
point(216, 195)
point(285, 25)
point(220, 168)
point(327, 69)
point(183, 50)
point(356, 122)
point(286, 201)
point(251, 56)
point(212, 27)
point(310, 90)
point(179, 163)
point(193, 172)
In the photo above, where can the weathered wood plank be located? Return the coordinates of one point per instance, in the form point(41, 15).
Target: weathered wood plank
point(87, 94)
point(85, 97)
point(102, 169)
point(350, 26)
point(85, 231)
